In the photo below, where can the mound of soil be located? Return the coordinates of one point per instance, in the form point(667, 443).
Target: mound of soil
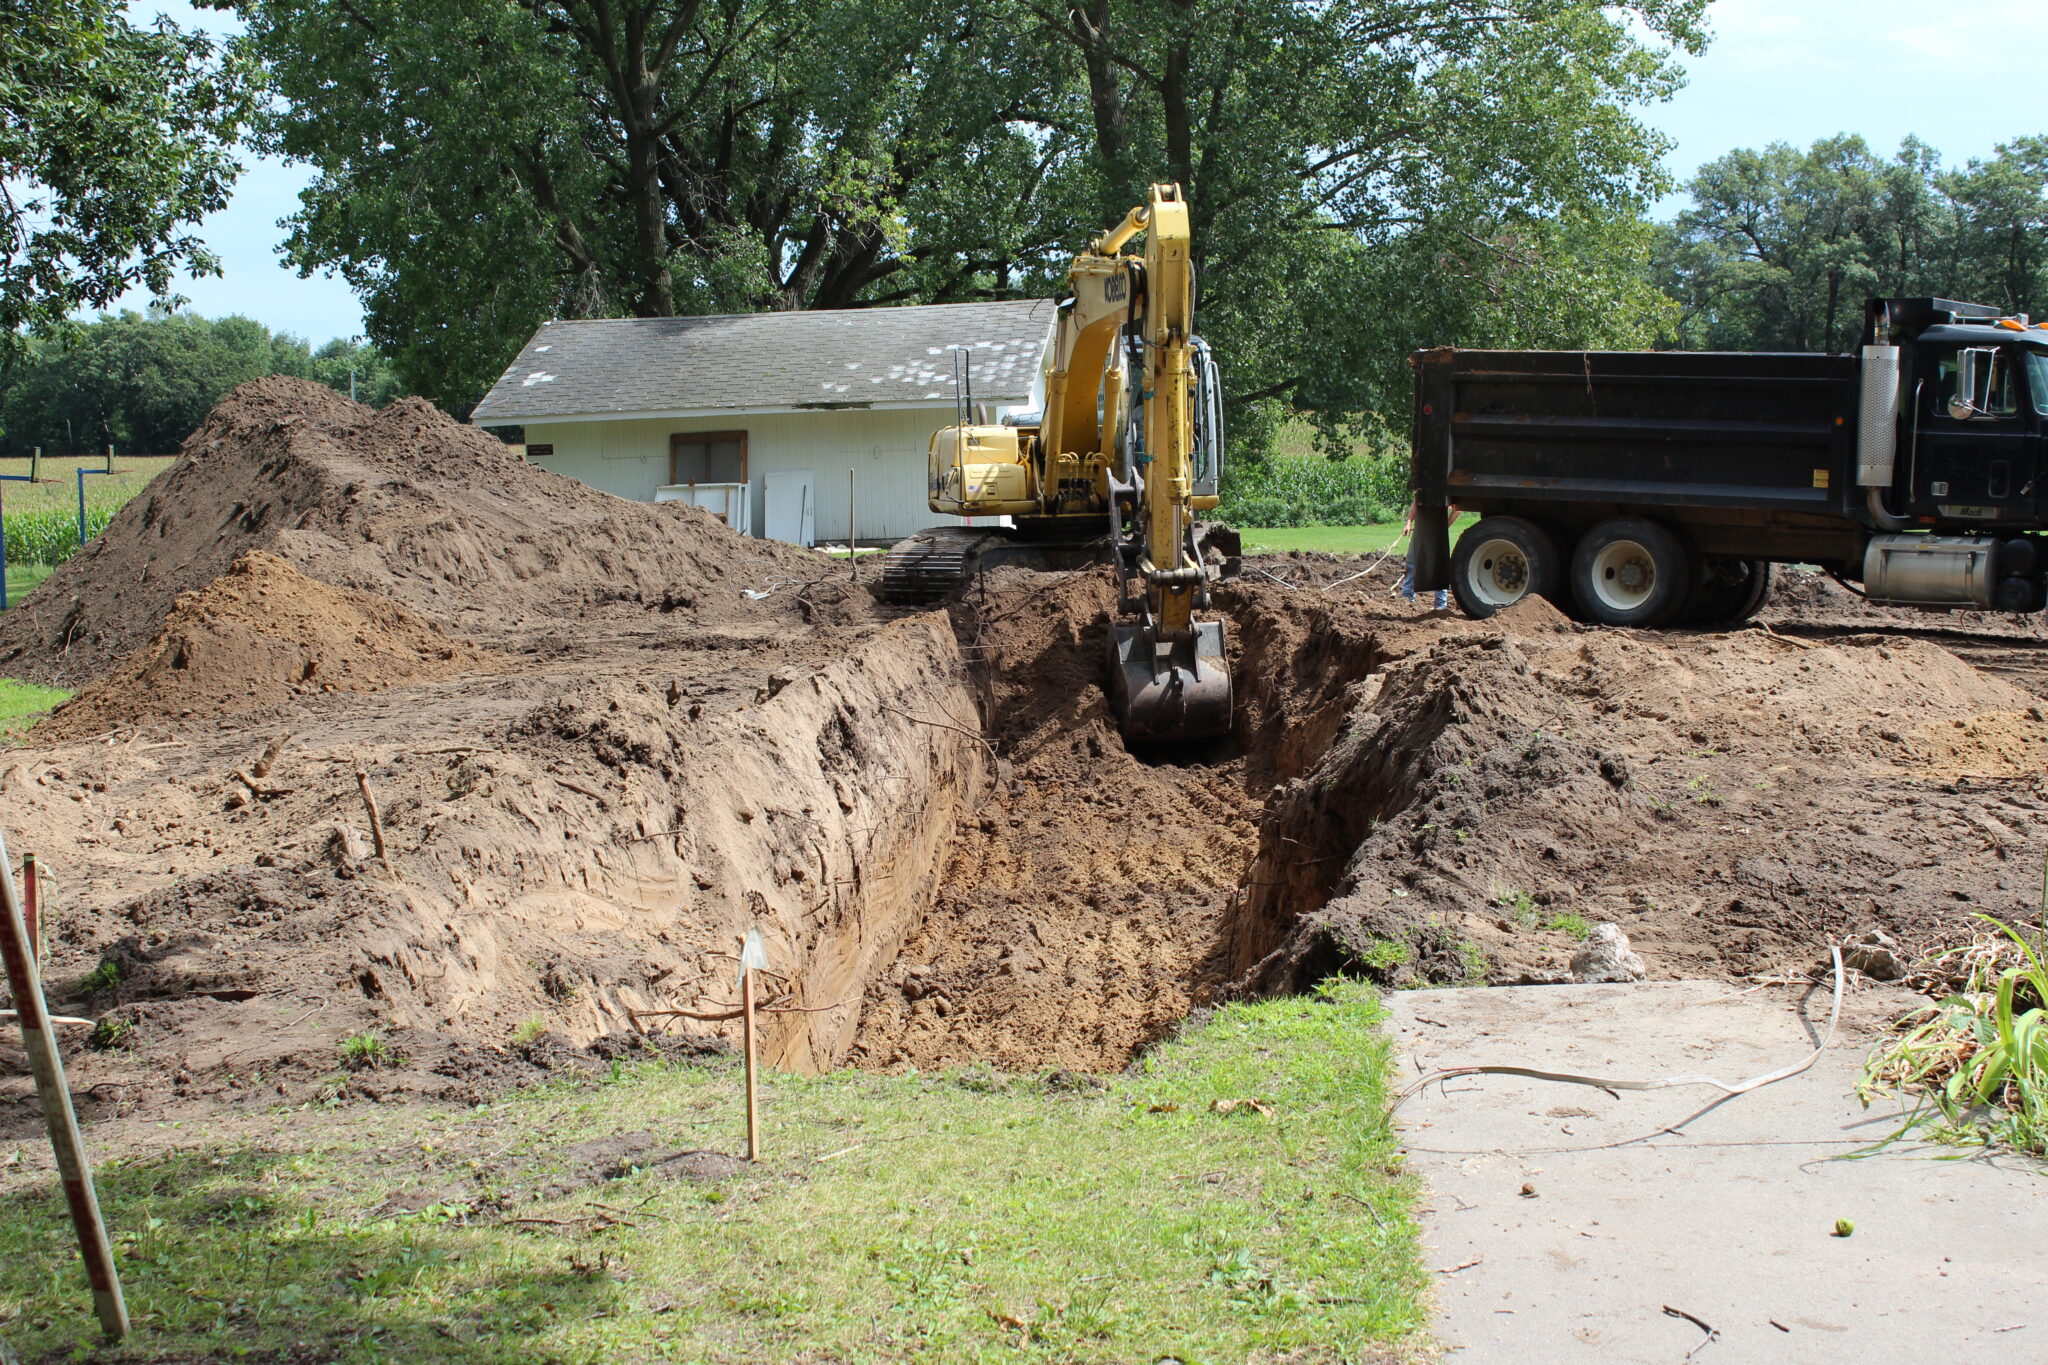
point(1733, 801)
point(258, 635)
point(409, 504)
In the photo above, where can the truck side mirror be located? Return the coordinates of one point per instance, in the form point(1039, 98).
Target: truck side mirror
point(1976, 376)
point(1962, 403)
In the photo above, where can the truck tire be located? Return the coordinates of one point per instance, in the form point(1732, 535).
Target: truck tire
point(1499, 561)
point(1727, 592)
point(1632, 572)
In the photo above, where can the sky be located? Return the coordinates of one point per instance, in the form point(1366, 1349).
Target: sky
point(1963, 80)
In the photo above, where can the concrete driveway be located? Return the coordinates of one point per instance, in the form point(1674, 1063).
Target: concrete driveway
point(1563, 1222)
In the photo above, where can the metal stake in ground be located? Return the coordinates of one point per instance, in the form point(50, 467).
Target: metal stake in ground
point(44, 1060)
point(753, 958)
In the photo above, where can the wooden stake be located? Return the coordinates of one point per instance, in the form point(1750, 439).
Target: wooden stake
point(852, 524)
point(753, 1099)
point(376, 821)
point(29, 908)
point(58, 1116)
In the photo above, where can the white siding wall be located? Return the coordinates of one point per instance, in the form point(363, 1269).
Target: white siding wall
point(887, 448)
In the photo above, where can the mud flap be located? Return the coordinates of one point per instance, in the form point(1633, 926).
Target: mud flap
point(1182, 693)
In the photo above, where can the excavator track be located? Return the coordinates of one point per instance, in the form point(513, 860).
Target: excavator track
point(933, 562)
point(929, 565)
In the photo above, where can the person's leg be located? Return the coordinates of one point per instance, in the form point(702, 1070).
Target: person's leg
point(1443, 599)
point(1408, 581)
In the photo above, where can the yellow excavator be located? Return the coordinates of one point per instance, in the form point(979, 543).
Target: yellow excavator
point(1124, 451)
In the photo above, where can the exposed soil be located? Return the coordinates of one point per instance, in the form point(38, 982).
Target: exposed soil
point(605, 739)
point(256, 636)
point(408, 504)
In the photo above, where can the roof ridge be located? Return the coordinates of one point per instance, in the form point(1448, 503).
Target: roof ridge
point(875, 310)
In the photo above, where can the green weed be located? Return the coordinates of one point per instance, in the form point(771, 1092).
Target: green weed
point(1980, 1055)
point(100, 979)
point(111, 1033)
point(530, 1030)
point(1572, 926)
point(1704, 794)
point(1384, 955)
point(1520, 905)
point(365, 1051)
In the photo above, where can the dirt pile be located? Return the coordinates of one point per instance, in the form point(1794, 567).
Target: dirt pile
point(1732, 801)
point(258, 635)
point(409, 504)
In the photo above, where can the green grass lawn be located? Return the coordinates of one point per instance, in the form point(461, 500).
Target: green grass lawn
point(23, 704)
point(22, 578)
point(1337, 540)
point(967, 1216)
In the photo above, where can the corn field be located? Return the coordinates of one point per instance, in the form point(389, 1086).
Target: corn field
point(47, 536)
point(41, 518)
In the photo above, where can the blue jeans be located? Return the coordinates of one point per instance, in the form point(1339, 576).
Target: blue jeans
point(1443, 596)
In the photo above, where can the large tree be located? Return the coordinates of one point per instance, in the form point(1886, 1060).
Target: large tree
point(1781, 246)
point(142, 383)
point(1366, 175)
point(114, 141)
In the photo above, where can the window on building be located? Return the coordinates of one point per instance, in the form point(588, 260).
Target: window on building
point(708, 457)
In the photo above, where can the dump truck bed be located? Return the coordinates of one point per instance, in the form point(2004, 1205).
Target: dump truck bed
point(1653, 428)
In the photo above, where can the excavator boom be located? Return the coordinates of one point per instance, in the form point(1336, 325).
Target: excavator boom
point(1170, 674)
point(1125, 447)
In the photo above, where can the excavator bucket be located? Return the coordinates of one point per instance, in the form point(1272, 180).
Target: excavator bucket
point(1166, 691)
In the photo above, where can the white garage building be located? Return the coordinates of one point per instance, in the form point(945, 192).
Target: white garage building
point(760, 416)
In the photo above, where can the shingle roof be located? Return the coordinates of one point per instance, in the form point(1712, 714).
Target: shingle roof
point(824, 358)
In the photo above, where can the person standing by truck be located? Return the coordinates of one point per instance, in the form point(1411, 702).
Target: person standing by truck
point(1443, 595)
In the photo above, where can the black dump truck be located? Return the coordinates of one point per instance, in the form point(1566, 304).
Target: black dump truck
point(1645, 488)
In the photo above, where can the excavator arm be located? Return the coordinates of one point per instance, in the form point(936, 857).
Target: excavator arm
point(1129, 406)
point(1170, 675)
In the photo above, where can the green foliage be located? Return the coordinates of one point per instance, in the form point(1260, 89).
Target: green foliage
point(892, 1218)
point(142, 383)
point(1364, 177)
point(1979, 1055)
point(1384, 955)
point(1571, 926)
point(1520, 905)
point(530, 1030)
point(111, 1033)
point(114, 139)
point(100, 979)
point(1782, 246)
point(1308, 490)
point(365, 1051)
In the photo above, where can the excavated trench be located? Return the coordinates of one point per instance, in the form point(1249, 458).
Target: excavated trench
point(440, 745)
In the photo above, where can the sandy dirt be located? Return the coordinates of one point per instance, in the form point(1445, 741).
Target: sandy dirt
point(605, 738)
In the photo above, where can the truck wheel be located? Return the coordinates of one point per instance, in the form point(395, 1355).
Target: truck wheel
point(1499, 561)
point(1728, 591)
point(1628, 572)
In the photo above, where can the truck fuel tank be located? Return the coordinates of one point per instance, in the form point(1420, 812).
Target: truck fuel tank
point(1932, 571)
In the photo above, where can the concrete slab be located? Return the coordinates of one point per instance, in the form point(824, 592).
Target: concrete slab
point(1562, 1222)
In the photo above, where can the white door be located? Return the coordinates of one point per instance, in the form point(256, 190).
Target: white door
point(789, 508)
